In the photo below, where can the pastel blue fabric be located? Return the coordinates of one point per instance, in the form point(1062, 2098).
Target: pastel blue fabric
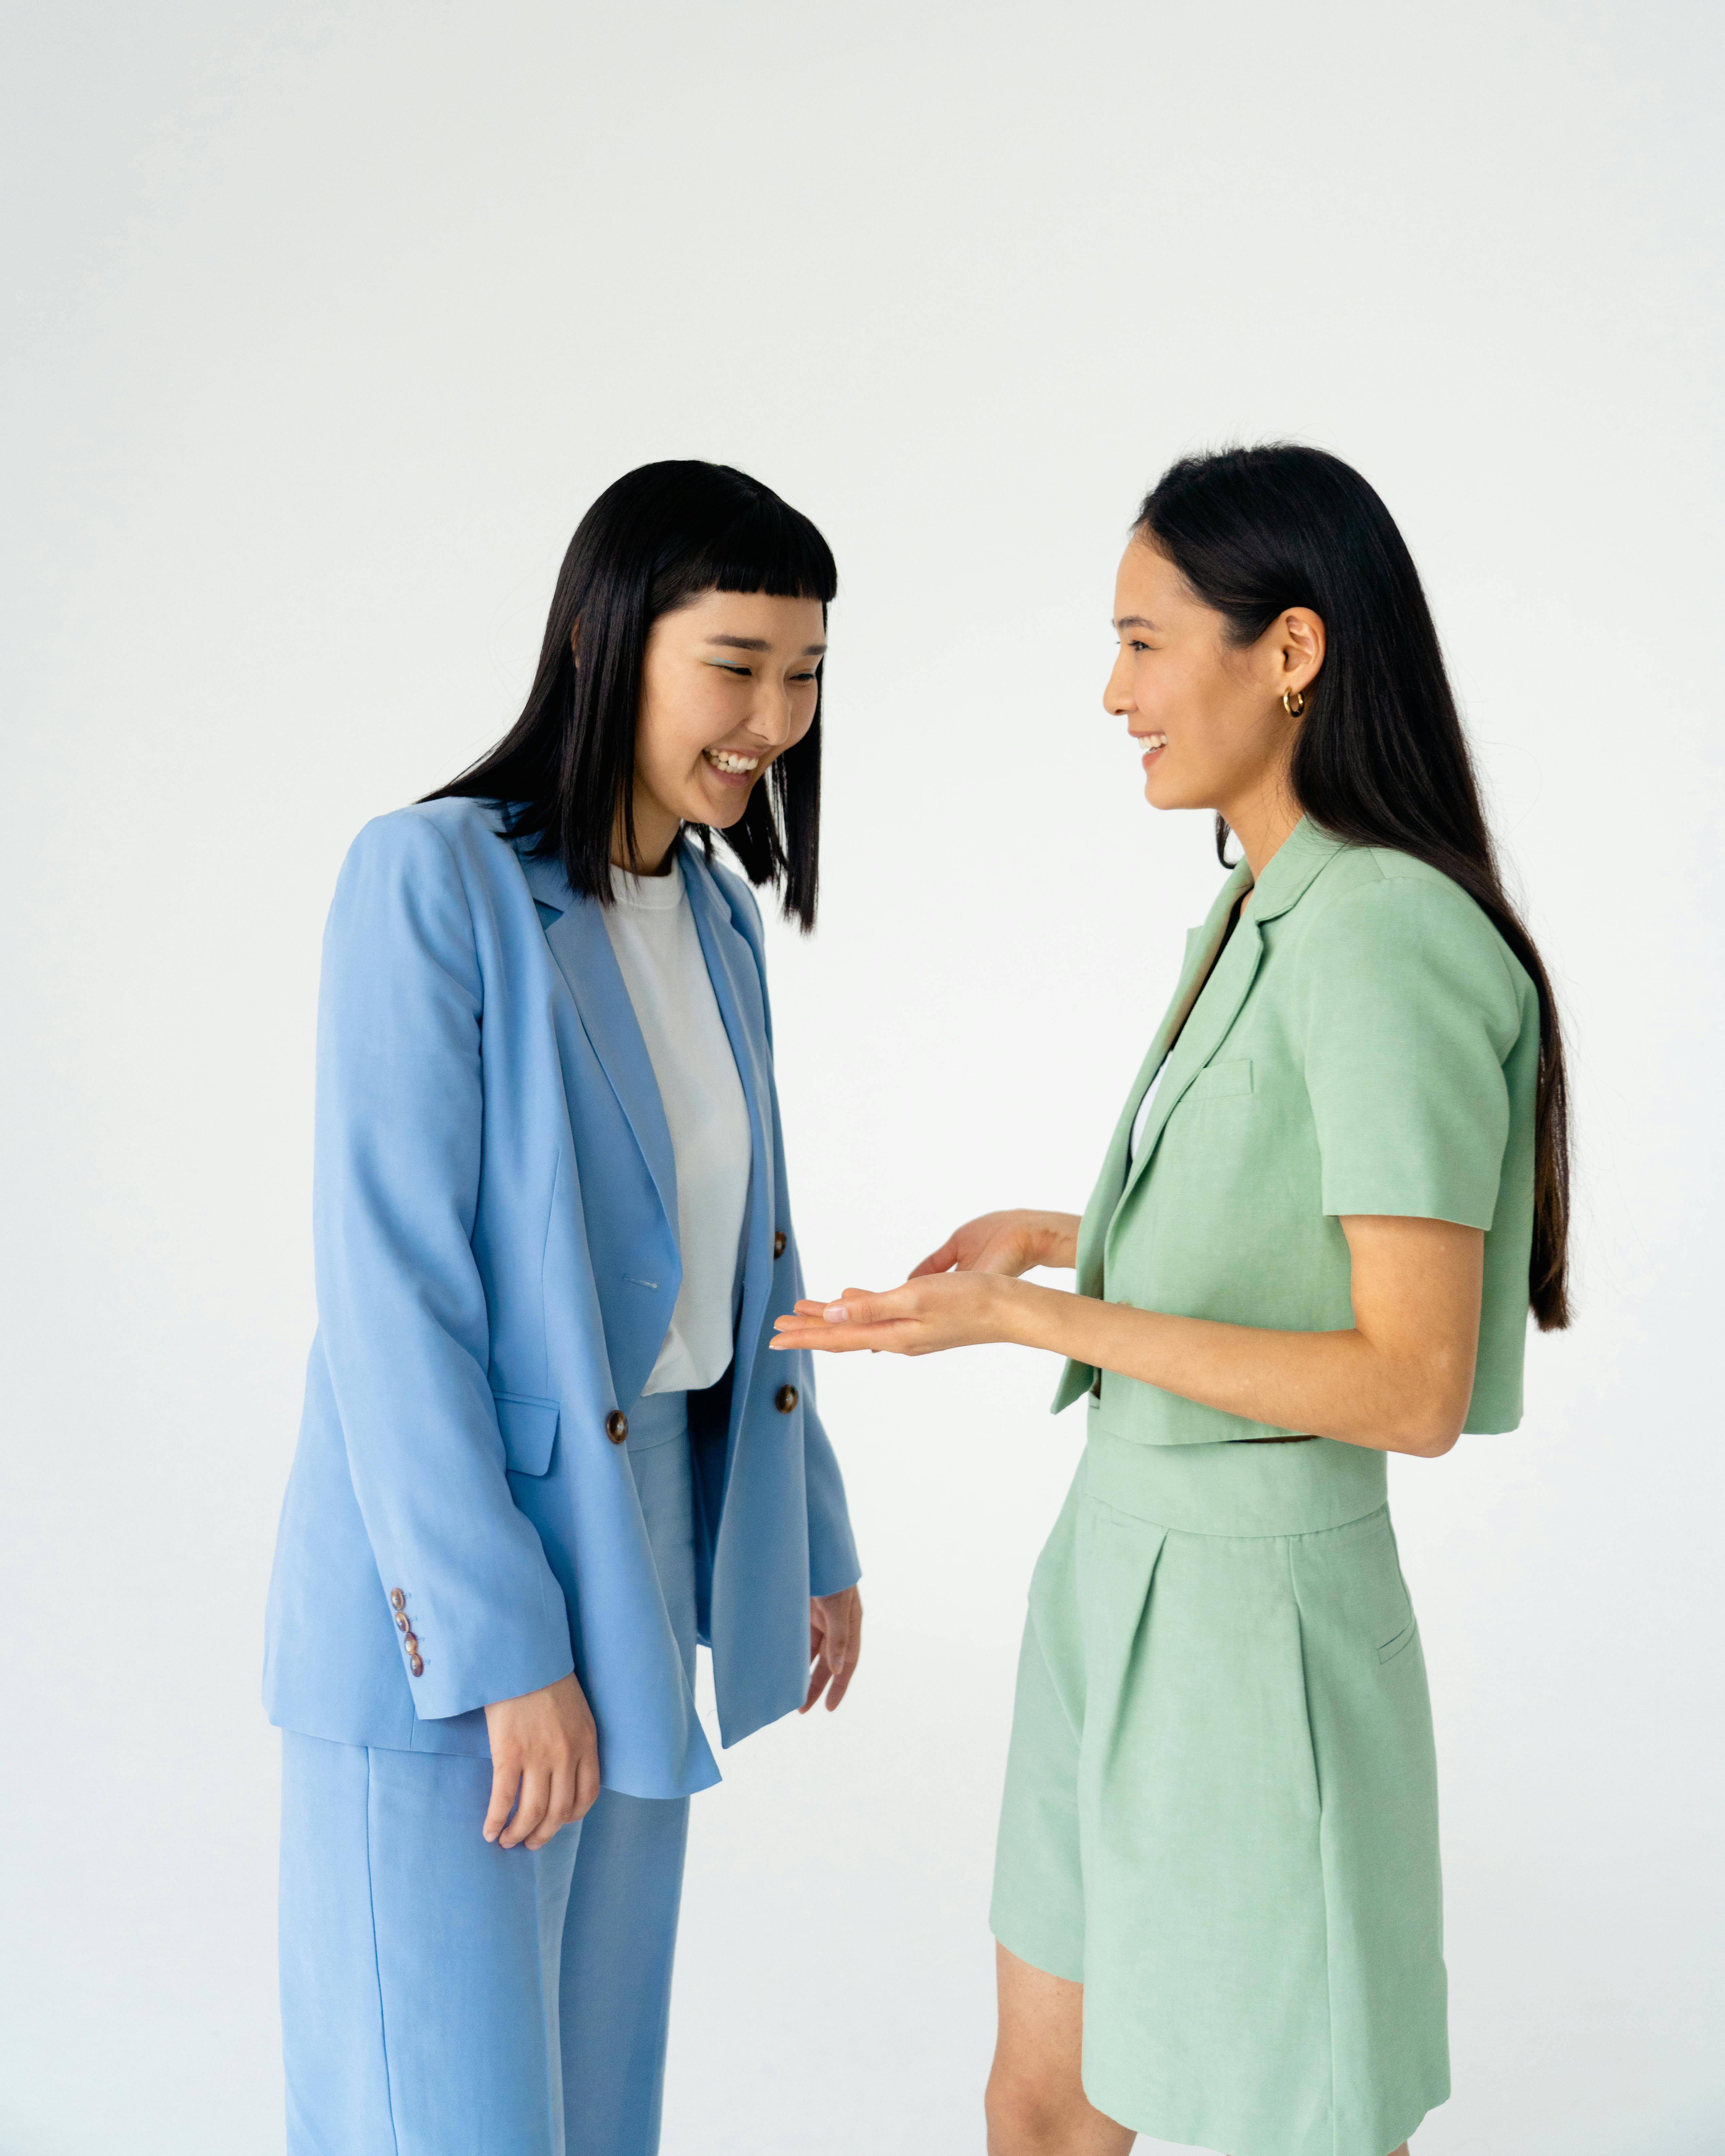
point(495, 1229)
point(444, 1997)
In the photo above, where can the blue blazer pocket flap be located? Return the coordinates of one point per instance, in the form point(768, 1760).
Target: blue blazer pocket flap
point(530, 1429)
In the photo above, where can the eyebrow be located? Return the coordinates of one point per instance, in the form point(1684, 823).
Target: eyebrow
point(760, 644)
point(1134, 621)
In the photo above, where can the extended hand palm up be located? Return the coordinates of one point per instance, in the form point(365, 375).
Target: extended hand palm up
point(956, 1298)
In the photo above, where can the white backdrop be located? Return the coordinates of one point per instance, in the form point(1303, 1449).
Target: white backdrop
point(327, 323)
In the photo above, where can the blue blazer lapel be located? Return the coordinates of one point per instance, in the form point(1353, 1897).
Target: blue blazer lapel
point(736, 987)
point(582, 947)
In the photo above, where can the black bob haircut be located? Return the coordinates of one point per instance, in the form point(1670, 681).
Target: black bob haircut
point(563, 774)
point(1380, 758)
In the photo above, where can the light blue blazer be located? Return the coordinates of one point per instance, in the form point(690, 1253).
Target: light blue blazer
point(494, 1223)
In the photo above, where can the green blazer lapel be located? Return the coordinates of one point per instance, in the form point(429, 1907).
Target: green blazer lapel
point(1215, 1010)
point(1207, 1002)
point(1201, 945)
point(1291, 870)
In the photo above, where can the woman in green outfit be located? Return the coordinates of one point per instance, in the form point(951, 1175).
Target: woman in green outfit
point(1338, 1182)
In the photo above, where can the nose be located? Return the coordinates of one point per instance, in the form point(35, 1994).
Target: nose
point(773, 719)
point(1116, 695)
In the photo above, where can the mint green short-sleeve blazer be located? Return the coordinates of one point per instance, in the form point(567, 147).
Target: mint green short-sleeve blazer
point(1366, 1043)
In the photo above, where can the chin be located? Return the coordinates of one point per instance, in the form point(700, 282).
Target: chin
point(719, 815)
point(1161, 794)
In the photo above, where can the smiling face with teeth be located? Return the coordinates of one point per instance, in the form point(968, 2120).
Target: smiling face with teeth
point(1207, 714)
point(728, 684)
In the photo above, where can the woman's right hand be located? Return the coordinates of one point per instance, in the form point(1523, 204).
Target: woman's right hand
point(545, 1763)
point(1006, 1243)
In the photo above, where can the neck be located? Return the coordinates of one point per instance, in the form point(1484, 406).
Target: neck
point(655, 835)
point(1262, 819)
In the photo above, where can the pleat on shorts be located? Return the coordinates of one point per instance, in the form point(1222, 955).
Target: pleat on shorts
point(1220, 1814)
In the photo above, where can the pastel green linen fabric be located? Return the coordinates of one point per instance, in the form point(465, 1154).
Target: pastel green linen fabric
point(1366, 1043)
point(1220, 1811)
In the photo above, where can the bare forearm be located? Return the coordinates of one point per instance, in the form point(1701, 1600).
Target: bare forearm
point(1329, 1384)
point(1398, 1380)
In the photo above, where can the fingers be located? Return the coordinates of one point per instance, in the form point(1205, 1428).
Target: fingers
point(531, 1808)
point(835, 1640)
point(586, 1784)
point(574, 1791)
point(858, 1319)
point(900, 1337)
point(559, 1807)
point(835, 1648)
point(843, 1647)
point(545, 1799)
point(818, 1672)
point(506, 1774)
point(941, 1261)
point(545, 1763)
point(857, 1306)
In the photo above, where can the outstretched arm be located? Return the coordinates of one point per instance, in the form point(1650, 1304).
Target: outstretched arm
point(1398, 1380)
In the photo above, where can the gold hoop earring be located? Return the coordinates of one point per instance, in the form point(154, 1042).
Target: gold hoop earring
point(1293, 701)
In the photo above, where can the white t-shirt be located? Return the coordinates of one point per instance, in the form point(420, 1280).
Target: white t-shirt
point(1144, 1107)
point(653, 932)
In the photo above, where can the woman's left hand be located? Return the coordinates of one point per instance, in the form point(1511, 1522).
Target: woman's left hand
point(940, 1310)
point(834, 1642)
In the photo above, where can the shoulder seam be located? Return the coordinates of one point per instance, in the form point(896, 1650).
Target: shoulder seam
point(430, 823)
point(1340, 891)
point(1444, 891)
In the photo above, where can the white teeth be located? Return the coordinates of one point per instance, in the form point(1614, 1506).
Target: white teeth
point(725, 759)
point(1155, 741)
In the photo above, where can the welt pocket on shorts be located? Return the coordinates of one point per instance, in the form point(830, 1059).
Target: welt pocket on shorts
point(1400, 1643)
point(530, 1429)
point(1218, 1081)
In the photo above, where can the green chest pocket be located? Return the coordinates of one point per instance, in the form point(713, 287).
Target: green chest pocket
point(1222, 1081)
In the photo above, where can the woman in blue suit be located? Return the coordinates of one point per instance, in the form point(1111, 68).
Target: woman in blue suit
point(544, 1451)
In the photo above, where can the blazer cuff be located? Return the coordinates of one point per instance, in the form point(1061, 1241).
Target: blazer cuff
point(456, 1676)
point(833, 1563)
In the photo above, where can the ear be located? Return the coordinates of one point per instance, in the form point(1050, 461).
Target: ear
point(1298, 640)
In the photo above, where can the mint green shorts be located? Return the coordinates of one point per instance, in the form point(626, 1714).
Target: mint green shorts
point(1220, 1814)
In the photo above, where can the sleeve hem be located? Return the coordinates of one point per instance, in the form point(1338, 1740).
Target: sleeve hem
point(473, 1694)
point(1406, 1205)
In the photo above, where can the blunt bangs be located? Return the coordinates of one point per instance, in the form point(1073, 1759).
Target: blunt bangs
point(564, 776)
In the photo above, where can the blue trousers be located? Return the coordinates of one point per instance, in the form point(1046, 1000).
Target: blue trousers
point(442, 1996)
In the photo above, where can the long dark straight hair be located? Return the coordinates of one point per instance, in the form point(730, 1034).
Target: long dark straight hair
point(1380, 758)
point(563, 774)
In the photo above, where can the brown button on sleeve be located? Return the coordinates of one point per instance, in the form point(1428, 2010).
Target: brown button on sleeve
point(417, 1666)
point(785, 1398)
point(401, 1622)
point(778, 1243)
point(617, 1425)
point(397, 1600)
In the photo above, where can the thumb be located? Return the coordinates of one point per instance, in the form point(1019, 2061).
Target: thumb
point(856, 1306)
